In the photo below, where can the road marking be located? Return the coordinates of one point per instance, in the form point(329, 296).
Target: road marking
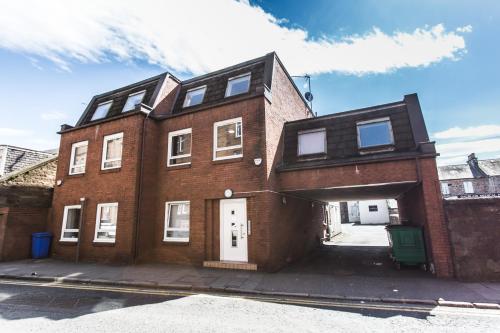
point(280, 300)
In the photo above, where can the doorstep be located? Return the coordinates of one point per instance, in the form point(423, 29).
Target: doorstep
point(230, 265)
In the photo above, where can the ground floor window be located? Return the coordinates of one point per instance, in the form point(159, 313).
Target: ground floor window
point(71, 223)
point(177, 221)
point(106, 218)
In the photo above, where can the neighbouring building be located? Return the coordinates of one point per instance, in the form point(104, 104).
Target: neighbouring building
point(231, 169)
point(15, 158)
point(471, 179)
point(382, 211)
point(25, 200)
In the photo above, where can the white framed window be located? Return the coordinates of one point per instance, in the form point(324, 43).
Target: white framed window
point(133, 100)
point(238, 85)
point(179, 147)
point(194, 96)
point(228, 139)
point(105, 223)
point(312, 142)
point(177, 221)
point(375, 132)
point(445, 188)
point(78, 157)
point(71, 223)
point(102, 110)
point(112, 151)
point(468, 188)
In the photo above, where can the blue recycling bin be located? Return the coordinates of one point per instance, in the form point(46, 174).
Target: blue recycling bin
point(40, 244)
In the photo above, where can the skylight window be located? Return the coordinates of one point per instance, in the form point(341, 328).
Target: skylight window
point(102, 110)
point(194, 96)
point(373, 133)
point(238, 85)
point(133, 100)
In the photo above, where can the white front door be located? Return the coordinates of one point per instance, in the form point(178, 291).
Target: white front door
point(233, 230)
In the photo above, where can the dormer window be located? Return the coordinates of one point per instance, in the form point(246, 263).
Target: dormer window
point(194, 96)
point(102, 110)
point(133, 100)
point(238, 85)
point(374, 133)
point(312, 142)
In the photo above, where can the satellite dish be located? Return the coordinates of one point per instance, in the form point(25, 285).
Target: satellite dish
point(308, 96)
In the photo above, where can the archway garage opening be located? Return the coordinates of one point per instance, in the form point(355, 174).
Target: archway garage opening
point(356, 239)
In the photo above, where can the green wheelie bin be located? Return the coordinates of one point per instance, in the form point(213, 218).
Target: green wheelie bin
point(407, 245)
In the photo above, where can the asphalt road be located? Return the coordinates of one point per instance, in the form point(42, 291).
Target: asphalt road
point(34, 307)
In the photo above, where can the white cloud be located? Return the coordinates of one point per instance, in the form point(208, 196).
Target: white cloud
point(200, 36)
point(456, 152)
point(13, 132)
point(469, 132)
point(467, 28)
point(53, 115)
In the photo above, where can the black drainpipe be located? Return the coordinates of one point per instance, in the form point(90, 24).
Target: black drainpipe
point(80, 230)
point(139, 190)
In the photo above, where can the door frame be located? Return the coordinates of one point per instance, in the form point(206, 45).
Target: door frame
point(221, 225)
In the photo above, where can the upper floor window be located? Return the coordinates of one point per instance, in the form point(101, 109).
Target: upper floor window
point(102, 110)
point(105, 225)
point(373, 208)
point(194, 96)
point(177, 221)
point(445, 188)
point(468, 188)
point(133, 100)
point(112, 151)
point(312, 142)
point(238, 85)
point(71, 223)
point(78, 157)
point(377, 132)
point(228, 139)
point(179, 147)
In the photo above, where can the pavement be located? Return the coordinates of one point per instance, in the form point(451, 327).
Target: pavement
point(346, 269)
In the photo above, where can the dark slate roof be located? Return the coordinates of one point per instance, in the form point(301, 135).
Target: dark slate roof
point(464, 171)
point(119, 98)
point(216, 85)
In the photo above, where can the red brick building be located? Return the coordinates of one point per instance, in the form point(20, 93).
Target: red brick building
point(232, 169)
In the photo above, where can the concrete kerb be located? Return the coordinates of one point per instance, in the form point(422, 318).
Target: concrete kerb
point(239, 291)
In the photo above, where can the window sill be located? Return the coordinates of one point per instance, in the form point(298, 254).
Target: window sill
point(229, 160)
point(68, 243)
point(76, 175)
point(177, 167)
point(109, 244)
point(110, 170)
point(176, 243)
point(376, 149)
point(312, 157)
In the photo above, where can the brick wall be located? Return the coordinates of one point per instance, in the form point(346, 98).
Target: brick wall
point(474, 227)
point(16, 226)
point(23, 210)
point(99, 186)
point(480, 185)
point(422, 206)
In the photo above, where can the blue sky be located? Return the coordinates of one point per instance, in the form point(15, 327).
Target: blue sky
point(54, 57)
